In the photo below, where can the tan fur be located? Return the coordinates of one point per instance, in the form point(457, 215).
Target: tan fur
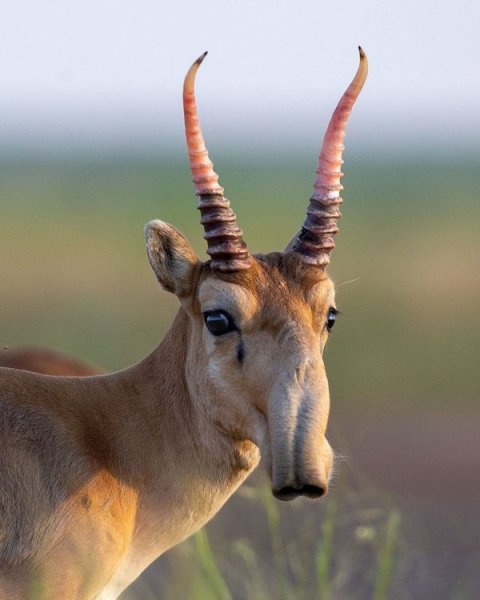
point(46, 361)
point(100, 475)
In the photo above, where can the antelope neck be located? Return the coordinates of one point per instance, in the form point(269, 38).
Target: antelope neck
point(181, 464)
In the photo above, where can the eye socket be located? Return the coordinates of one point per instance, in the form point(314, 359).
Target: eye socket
point(331, 318)
point(219, 322)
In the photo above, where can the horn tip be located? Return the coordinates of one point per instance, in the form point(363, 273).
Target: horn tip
point(199, 60)
point(361, 51)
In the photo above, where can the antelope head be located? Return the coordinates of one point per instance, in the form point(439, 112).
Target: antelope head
point(258, 324)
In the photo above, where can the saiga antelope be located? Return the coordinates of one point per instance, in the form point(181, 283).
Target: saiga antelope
point(44, 360)
point(100, 475)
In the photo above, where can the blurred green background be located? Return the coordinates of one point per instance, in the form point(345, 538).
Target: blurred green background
point(91, 148)
point(75, 276)
point(402, 519)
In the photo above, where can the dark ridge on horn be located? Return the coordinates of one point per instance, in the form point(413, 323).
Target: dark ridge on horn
point(316, 237)
point(315, 240)
point(226, 248)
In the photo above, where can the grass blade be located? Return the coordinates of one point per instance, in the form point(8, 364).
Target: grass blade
point(324, 553)
point(218, 588)
point(386, 558)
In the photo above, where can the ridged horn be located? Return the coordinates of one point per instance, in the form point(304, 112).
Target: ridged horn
point(227, 250)
point(315, 240)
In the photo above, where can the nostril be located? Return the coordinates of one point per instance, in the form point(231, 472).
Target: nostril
point(289, 492)
point(313, 491)
point(286, 493)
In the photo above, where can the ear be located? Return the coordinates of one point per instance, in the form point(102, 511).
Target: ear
point(171, 256)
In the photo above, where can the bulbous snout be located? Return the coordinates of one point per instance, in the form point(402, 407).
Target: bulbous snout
point(301, 458)
point(309, 483)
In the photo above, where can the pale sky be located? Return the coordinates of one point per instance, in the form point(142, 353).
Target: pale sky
point(111, 71)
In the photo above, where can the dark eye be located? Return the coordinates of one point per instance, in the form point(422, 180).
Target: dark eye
point(331, 318)
point(219, 322)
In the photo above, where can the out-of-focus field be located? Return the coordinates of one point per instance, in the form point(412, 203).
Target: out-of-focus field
point(403, 359)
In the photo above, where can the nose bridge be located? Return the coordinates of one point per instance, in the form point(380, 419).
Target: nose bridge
point(315, 397)
point(311, 417)
point(298, 415)
point(302, 375)
point(305, 362)
point(299, 345)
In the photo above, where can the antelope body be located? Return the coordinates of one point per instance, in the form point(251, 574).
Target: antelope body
point(44, 360)
point(100, 475)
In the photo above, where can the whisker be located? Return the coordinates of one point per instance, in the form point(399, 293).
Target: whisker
point(347, 282)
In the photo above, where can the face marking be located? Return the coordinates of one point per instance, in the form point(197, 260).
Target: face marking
point(240, 351)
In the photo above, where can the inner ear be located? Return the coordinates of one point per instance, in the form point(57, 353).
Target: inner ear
point(171, 256)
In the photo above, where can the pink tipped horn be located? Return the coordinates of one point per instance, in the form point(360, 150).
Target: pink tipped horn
point(315, 241)
point(226, 247)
